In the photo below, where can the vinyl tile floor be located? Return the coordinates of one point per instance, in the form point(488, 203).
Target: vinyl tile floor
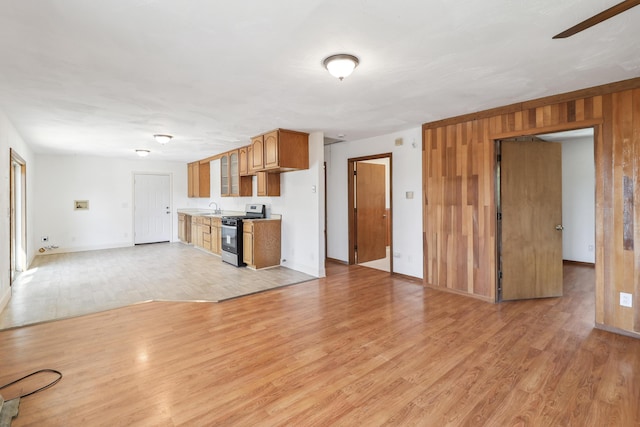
point(59, 286)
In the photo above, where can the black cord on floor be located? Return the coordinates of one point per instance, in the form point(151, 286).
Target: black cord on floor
point(51, 384)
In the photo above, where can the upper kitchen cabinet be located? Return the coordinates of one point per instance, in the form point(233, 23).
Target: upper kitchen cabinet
point(245, 158)
point(198, 179)
point(280, 150)
point(268, 184)
point(256, 158)
point(231, 183)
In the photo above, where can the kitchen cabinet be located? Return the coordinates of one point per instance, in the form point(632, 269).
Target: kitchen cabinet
point(198, 179)
point(261, 243)
point(256, 159)
point(194, 230)
point(244, 155)
point(184, 228)
point(205, 233)
point(268, 184)
point(216, 236)
point(280, 150)
point(231, 183)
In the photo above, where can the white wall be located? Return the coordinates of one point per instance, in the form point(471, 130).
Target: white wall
point(578, 200)
point(9, 138)
point(107, 183)
point(407, 213)
point(302, 209)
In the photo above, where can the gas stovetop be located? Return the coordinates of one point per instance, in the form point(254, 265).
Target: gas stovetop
point(252, 211)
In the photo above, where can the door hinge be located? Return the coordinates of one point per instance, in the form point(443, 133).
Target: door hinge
point(499, 157)
point(499, 216)
point(500, 275)
point(355, 248)
point(355, 173)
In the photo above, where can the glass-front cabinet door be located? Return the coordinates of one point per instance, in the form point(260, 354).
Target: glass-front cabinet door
point(234, 173)
point(224, 175)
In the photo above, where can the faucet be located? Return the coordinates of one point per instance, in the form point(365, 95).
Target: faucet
point(217, 209)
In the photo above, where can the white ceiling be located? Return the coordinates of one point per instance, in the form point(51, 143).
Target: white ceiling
point(100, 77)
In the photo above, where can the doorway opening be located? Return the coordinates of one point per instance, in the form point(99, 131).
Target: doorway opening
point(18, 215)
point(530, 265)
point(370, 211)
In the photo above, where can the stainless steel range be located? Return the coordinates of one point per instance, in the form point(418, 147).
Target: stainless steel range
point(232, 233)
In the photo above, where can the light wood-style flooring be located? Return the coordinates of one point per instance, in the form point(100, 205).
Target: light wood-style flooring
point(58, 286)
point(359, 347)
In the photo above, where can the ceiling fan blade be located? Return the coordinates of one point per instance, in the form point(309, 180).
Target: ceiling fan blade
point(596, 19)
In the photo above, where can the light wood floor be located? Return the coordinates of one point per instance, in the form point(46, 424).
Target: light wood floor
point(360, 347)
point(64, 285)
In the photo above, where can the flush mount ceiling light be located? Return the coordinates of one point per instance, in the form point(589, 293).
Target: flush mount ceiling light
point(143, 153)
point(162, 139)
point(341, 65)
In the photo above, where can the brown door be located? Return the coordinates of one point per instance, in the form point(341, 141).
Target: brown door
point(531, 206)
point(371, 221)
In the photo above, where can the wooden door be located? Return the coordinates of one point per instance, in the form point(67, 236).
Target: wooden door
point(247, 247)
point(244, 160)
point(256, 156)
point(190, 181)
point(371, 221)
point(271, 150)
point(531, 208)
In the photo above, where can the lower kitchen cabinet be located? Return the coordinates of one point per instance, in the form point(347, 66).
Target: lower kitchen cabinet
point(194, 231)
point(184, 228)
point(261, 243)
point(204, 232)
point(216, 236)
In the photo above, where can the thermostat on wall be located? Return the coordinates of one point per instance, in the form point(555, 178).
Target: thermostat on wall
point(81, 205)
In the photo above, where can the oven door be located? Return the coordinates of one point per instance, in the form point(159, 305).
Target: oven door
point(230, 238)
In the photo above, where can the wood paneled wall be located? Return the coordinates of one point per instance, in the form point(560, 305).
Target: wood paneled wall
point(459, 223)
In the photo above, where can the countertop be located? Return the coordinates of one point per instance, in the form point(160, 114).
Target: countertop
point(210, 213)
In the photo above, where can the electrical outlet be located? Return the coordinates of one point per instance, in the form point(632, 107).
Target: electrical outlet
point(626, 300)
point(44, 239)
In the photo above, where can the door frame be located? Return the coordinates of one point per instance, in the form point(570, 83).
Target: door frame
point(497, 138)
point(17, 263)
point(133, 203)
point(351, 167)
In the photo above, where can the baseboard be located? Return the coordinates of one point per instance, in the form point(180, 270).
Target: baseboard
point(417, 280)
point(585, 264)
point(337, 261)
point(617, 331)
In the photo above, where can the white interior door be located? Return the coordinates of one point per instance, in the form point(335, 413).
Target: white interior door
point(152, 208)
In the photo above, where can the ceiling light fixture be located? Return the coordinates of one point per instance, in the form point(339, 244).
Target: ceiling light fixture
point(143, 153)
point(162, 139)
point(341, 65)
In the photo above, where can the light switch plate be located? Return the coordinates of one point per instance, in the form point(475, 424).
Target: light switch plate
point(626, 299)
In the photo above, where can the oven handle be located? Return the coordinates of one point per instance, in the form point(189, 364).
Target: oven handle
point(230, 227)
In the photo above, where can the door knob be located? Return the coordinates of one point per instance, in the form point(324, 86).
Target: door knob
point(559, 227)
